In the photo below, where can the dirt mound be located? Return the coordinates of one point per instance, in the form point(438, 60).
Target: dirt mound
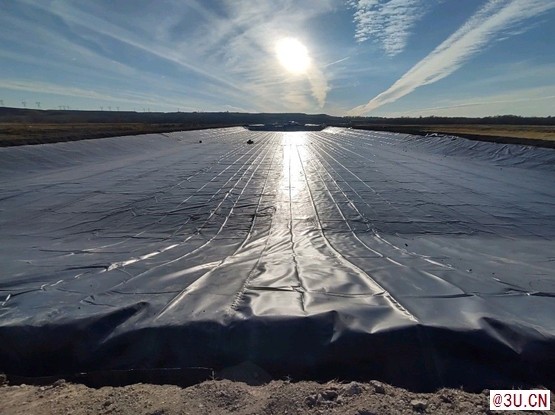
point(227, 397)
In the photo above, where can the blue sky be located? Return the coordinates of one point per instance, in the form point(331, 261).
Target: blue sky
point(367, 57)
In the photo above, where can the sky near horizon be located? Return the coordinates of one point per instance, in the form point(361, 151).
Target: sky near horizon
point(340, 57)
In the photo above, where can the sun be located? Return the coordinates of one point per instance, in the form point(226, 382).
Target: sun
point(293, 55)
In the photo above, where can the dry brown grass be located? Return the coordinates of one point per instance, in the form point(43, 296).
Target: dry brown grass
point(534, 135)
point(39, 133)
point(535, 132)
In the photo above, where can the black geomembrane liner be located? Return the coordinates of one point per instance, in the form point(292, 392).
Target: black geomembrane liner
point(420, 261)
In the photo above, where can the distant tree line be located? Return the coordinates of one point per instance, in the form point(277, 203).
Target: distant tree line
point(187, 118)
point(192, 119)
point(498, 119)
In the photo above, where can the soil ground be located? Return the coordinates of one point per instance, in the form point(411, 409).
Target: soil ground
point(228, 397)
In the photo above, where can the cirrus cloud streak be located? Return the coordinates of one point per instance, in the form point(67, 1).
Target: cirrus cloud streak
point(493, 21)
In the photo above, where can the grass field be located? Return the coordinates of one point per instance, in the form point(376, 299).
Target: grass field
point(536, 132)
point(536, 135)
point(40, 133)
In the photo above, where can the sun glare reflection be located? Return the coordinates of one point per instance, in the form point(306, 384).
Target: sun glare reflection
point(294, 149)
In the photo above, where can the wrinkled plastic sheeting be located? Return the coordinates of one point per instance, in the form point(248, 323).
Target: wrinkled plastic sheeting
point(424, 262)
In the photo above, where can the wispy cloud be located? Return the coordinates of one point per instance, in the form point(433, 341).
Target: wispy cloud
point(495, 20)
point(223, 53)
point(251, 34)
point(387, 22)
point(336, 62)
point(99, 95)
point(99, 25)
point(318, 85)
